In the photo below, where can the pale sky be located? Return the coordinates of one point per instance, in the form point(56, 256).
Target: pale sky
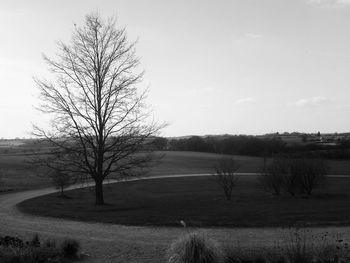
point(212, 67)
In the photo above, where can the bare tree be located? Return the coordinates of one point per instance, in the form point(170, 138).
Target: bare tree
point(271, 177)
point(225, 175)
point(101, 124)
point(310, 173)
point(290, 181)
point(62, 180)
point(294, 175)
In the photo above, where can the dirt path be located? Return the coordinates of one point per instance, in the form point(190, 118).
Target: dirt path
point(114, 243)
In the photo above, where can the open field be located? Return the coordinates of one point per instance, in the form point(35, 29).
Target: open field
point(17, 174)
point(195, 162)
point(199, 202)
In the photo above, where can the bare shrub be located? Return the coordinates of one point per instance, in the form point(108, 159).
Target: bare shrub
point(50, 243)
point(13, 250)
point(299, 247)
point(2, 183)
point(195, 248)
point(70, 248)
point(237, 254)
point(310, 173)
point(62, 180)
point(331, 248)
point(225, 175)
point(35, 242)
point(271, 178)
point(302, 246)
point(290, 181)
point(294, 175)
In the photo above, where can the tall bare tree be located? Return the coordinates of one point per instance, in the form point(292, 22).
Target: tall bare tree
point(101, 124)
point(225, 175)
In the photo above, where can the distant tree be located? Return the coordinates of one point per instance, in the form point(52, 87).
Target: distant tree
point(62, 180)
point(197, 144)
point(100, 122)
point(294, 175)
point(304, 137)
point(2, 183)
point(271, 177)
point(290, 180)
point(225, 175)
point(310, 173)
point(160, 143)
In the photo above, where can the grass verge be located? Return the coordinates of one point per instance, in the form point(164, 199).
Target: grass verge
point(199, 202)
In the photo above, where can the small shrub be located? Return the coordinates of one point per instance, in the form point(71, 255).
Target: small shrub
point(29, 254)
point(70, 248)
point(271, 177)
point(235, 254)
point(195, 248)
point(62, 180)
point(17, 255)
point(50, 243)
point(330, 248)
point(299, 247)
point(14, 250)
point(225, 175)
point(310, 173)
point(9, 241)
point(304, 247)
point(35, 242)
point(293, 175)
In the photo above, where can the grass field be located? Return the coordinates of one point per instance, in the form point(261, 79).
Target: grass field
point(194, 162)
point(17, 174)
point(199, 202)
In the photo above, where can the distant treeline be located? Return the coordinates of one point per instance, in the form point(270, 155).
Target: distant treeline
point(255, 146)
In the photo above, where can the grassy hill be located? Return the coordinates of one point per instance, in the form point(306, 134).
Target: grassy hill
point(16, 173)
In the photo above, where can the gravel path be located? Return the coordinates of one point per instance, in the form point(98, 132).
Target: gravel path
point(115, 243)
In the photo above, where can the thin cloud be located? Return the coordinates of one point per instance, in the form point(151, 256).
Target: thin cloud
point(245, 100)
point(312, 102)
point(253, 35)
point(330, 2)
point(247, 37)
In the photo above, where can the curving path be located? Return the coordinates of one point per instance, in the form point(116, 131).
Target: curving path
point(115, 243)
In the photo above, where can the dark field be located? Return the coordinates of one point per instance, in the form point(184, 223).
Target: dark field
point(198, 201)
point(16, 172)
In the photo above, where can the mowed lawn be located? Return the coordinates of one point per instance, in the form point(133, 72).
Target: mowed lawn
point(199, 202)
point(174, 162)
point(16, 172)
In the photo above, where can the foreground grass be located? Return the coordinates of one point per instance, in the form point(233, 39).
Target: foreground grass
point(199, 202)
point(15, 250)
point(300, 247)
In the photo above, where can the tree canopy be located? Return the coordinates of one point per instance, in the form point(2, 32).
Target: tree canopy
point(100, 123)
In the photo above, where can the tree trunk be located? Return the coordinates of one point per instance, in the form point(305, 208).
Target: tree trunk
point(99, 193)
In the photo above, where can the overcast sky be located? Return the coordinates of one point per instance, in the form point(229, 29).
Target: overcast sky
point(213, 67)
